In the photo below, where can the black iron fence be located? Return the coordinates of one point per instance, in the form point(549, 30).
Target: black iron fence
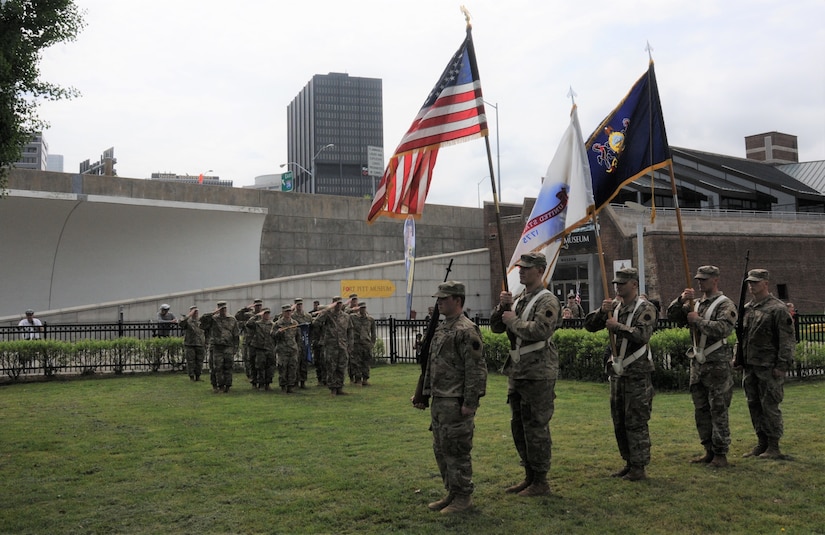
point(396, 344)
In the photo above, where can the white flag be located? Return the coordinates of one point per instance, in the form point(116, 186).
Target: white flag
point(564, 202)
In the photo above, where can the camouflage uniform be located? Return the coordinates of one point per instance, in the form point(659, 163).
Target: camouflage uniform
point(316, 341)
point(303, 364)
point(336, 332)
point(243, 316)
point(261, 350)
point(711, 382)
point(631, 393)
point(288, 346)
point(224, 336)
point(456, 375)
point(363, 340)
point(194, 341)
point(768, 344)
point(204, 323)
point(532, 380)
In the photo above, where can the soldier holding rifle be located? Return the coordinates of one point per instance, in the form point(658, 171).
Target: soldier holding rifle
point(456, 379)
point(767, 348)
point(712, 319)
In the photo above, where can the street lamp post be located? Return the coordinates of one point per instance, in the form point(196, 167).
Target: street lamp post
point(312, 165)
point(478, 187)
point(311, 170)
point(498, 154)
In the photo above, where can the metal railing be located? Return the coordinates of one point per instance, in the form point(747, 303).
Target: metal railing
point(396, 336)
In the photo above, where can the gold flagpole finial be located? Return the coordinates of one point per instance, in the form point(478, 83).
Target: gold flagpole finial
point(649, 50)
point(466, 16)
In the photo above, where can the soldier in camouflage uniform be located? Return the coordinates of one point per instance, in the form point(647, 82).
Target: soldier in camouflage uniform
point(456, 379)
point(363, 340)
point(261, 348)
point(711, 319)
point(630, 320)
point(316, 341)
point(288, 344)
point(532, 369)
point(768, 349)
point(336, 332)
point(302, 318)
point(242, 316)
point(194, 341)
point(351, 306)
point(224, 336)
point(204, 322)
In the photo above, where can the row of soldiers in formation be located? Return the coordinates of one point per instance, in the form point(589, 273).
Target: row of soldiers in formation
point(455, 375)
point(337, 339)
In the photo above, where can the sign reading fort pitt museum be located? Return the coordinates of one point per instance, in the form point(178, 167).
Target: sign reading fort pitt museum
point(581, 239)
point(367, 288)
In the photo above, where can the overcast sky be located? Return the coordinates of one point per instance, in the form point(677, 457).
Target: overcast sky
point(185, 86)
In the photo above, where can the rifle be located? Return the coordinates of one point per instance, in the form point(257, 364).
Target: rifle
point(419, 398)
point(739, 358)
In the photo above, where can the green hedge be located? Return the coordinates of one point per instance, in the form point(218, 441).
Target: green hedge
point(581, 356)
point(87, 357)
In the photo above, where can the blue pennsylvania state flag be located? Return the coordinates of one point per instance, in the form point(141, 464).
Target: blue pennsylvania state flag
point(630, 142)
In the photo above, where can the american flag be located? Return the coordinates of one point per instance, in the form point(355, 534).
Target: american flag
point(452, 113)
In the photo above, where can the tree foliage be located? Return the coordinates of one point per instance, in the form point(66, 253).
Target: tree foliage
point(26, 28)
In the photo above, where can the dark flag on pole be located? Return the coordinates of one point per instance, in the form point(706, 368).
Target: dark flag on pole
point(452, 113)
point(630, 142)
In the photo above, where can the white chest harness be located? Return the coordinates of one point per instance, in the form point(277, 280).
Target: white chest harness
point(620, 363)
point(515, 354)
point(698, 351)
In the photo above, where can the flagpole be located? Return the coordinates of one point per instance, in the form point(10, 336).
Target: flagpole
point(504, 285)
point(471, 49)
point(610, 335)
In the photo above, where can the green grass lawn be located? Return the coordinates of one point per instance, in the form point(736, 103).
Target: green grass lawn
point(160, 454)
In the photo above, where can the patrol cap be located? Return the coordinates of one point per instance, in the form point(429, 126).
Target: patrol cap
point(336, 299)
point(164, 306)
point(626, 274)
point(258, 302)
point(30, 312)
point(706, 272)
point(529, 260)
point(193, 307)
point(449, 288)
point(353, 296)
point(299, 300)
point(362, 305)
point(286, 307)
point(756, 275)
point(221, 304)
point(265, 310)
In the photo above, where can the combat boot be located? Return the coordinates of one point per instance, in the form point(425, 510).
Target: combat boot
point(636, 473)
point(539, 486)
point(621, 473)
point(760, 448)
point(772, 451)
point(226, 389)
point(720, 460)
point(365, 382)
point(518, 487)
point(442, 503)
point(460, 504)
point(706, 458)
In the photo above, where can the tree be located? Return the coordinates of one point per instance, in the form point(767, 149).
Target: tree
point(26, 28)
